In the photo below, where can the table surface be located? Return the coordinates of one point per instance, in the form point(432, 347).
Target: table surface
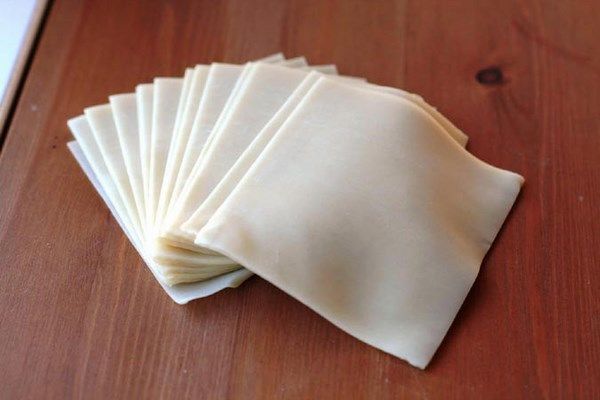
point(81, 317)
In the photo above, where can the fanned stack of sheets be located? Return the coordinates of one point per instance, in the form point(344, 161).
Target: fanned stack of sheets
point(358, 200)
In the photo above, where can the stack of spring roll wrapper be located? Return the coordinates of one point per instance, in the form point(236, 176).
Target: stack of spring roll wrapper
point(358, 200)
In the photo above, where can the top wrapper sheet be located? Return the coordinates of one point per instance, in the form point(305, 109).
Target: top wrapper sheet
point(380, 226)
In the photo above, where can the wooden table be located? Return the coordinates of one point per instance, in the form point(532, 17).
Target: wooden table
point(81, 317)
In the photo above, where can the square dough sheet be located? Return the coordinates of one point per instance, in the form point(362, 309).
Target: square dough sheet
point(381, 224)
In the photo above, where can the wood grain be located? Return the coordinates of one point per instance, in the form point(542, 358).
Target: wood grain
point(80, 317)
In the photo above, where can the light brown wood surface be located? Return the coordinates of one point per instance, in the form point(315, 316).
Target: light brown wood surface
point(81, 317)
